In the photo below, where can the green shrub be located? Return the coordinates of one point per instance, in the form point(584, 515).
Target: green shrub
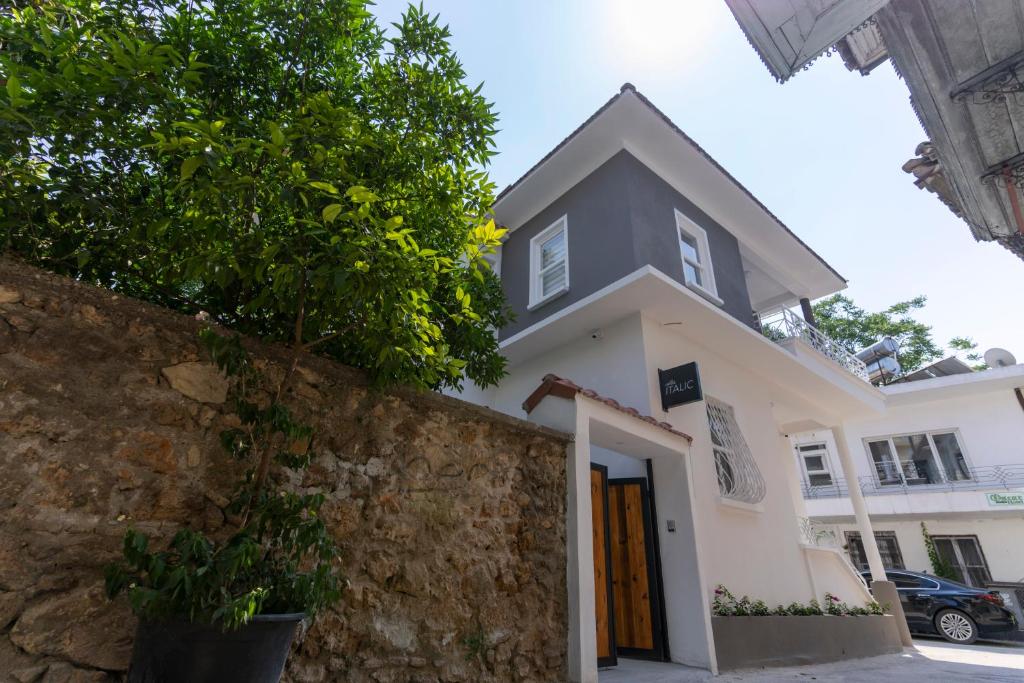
point(725, 604)
point(281, 558)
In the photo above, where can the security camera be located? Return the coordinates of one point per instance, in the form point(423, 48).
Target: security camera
point(597, 335)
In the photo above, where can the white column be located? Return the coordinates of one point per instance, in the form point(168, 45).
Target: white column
point(580, 556)
point(860, 508)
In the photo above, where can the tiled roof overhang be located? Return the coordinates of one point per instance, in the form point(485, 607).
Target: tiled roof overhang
point(553, 385)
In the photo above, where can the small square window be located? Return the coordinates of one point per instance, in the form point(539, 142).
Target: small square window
point(696, 254)
point(816, 465)
point(549, 263)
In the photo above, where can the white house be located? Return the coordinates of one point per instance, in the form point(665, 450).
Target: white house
point(638, 268)
point(947, 451)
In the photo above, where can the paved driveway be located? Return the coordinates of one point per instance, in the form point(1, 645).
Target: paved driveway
point(931, 661)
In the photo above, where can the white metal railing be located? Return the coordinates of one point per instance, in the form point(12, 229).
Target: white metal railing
point(1009, 477)
point(815, 533)
point(786, 324)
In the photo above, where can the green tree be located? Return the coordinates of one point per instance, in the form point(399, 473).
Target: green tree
point(294, 171)
point(853, 327)
point(287, 166)
point(967, 349)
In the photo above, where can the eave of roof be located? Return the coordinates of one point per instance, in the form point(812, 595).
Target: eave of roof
point(553, 385)
point(631, 89)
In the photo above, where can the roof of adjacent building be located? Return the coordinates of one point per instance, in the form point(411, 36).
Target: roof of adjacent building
point(553, 385)
point(956, 58)
point(1006, 378)
point(942, 368)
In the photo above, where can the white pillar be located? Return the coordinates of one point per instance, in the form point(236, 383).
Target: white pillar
point(580, 557)
point(860, 508)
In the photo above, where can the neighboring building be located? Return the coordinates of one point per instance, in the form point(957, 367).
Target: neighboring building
point(949, 452)
point(630, 251)
point(963, 62)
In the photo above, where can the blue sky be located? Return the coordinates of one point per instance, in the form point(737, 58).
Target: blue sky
point(823, 152)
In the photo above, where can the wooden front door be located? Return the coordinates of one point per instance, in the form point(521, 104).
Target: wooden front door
point(602, 566)
point(635, 591)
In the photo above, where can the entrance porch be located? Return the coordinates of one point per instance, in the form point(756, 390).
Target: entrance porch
point(630, 523)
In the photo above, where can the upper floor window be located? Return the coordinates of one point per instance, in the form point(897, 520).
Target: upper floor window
point(815, 462)
point(549, 263)
point(693, 246)
point(918, 459)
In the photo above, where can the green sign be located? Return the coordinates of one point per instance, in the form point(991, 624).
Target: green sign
point(999, 499)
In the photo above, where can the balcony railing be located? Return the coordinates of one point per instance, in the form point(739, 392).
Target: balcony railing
point(788, 325)
point(993, 477)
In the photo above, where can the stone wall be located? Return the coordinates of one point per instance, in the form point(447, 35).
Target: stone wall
point(450, 517)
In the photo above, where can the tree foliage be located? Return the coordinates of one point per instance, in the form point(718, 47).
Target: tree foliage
point(287, 166)
point(853, 327)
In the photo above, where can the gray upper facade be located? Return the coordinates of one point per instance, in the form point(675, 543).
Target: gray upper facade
point(619, 218)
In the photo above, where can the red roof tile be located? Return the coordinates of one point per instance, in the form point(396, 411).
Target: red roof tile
point(554, 385)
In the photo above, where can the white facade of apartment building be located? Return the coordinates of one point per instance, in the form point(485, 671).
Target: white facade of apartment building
point(946, 451)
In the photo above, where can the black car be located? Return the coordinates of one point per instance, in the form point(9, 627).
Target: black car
point(958, 613)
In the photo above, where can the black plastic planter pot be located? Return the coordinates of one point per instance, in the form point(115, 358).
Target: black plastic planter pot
point(179, 652)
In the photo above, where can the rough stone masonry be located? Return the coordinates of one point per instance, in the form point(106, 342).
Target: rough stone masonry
point(450, 517)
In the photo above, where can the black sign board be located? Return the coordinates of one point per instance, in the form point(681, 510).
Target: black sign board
point(679, 385)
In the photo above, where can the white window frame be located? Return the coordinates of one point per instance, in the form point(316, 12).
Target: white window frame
point(825, 461)
point(709, 289)
point(536, 299)
point(929, 434)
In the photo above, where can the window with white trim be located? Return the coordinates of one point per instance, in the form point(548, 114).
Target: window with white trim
point(738, 476)
point(814, 458)
point(696, 254)
point(918, 459)
point(549, 263)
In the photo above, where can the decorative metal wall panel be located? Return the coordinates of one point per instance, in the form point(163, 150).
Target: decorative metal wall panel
point(738, 476)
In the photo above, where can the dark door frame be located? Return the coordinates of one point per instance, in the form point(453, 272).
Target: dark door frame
point(656, 537)
point(659, 635)
point(612, 659)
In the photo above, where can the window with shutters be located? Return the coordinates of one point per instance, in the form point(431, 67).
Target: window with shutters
point(549, 263)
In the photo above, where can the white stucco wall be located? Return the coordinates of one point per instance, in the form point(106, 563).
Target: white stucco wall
point(757, 551)
point(612, 365)
point(754, 552)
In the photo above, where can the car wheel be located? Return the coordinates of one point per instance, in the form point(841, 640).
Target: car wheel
point(956, 627)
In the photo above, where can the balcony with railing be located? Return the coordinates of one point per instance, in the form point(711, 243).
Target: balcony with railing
point(786, 324)
point(890, 479)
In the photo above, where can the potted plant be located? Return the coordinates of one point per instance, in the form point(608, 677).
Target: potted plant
point(226, 609)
